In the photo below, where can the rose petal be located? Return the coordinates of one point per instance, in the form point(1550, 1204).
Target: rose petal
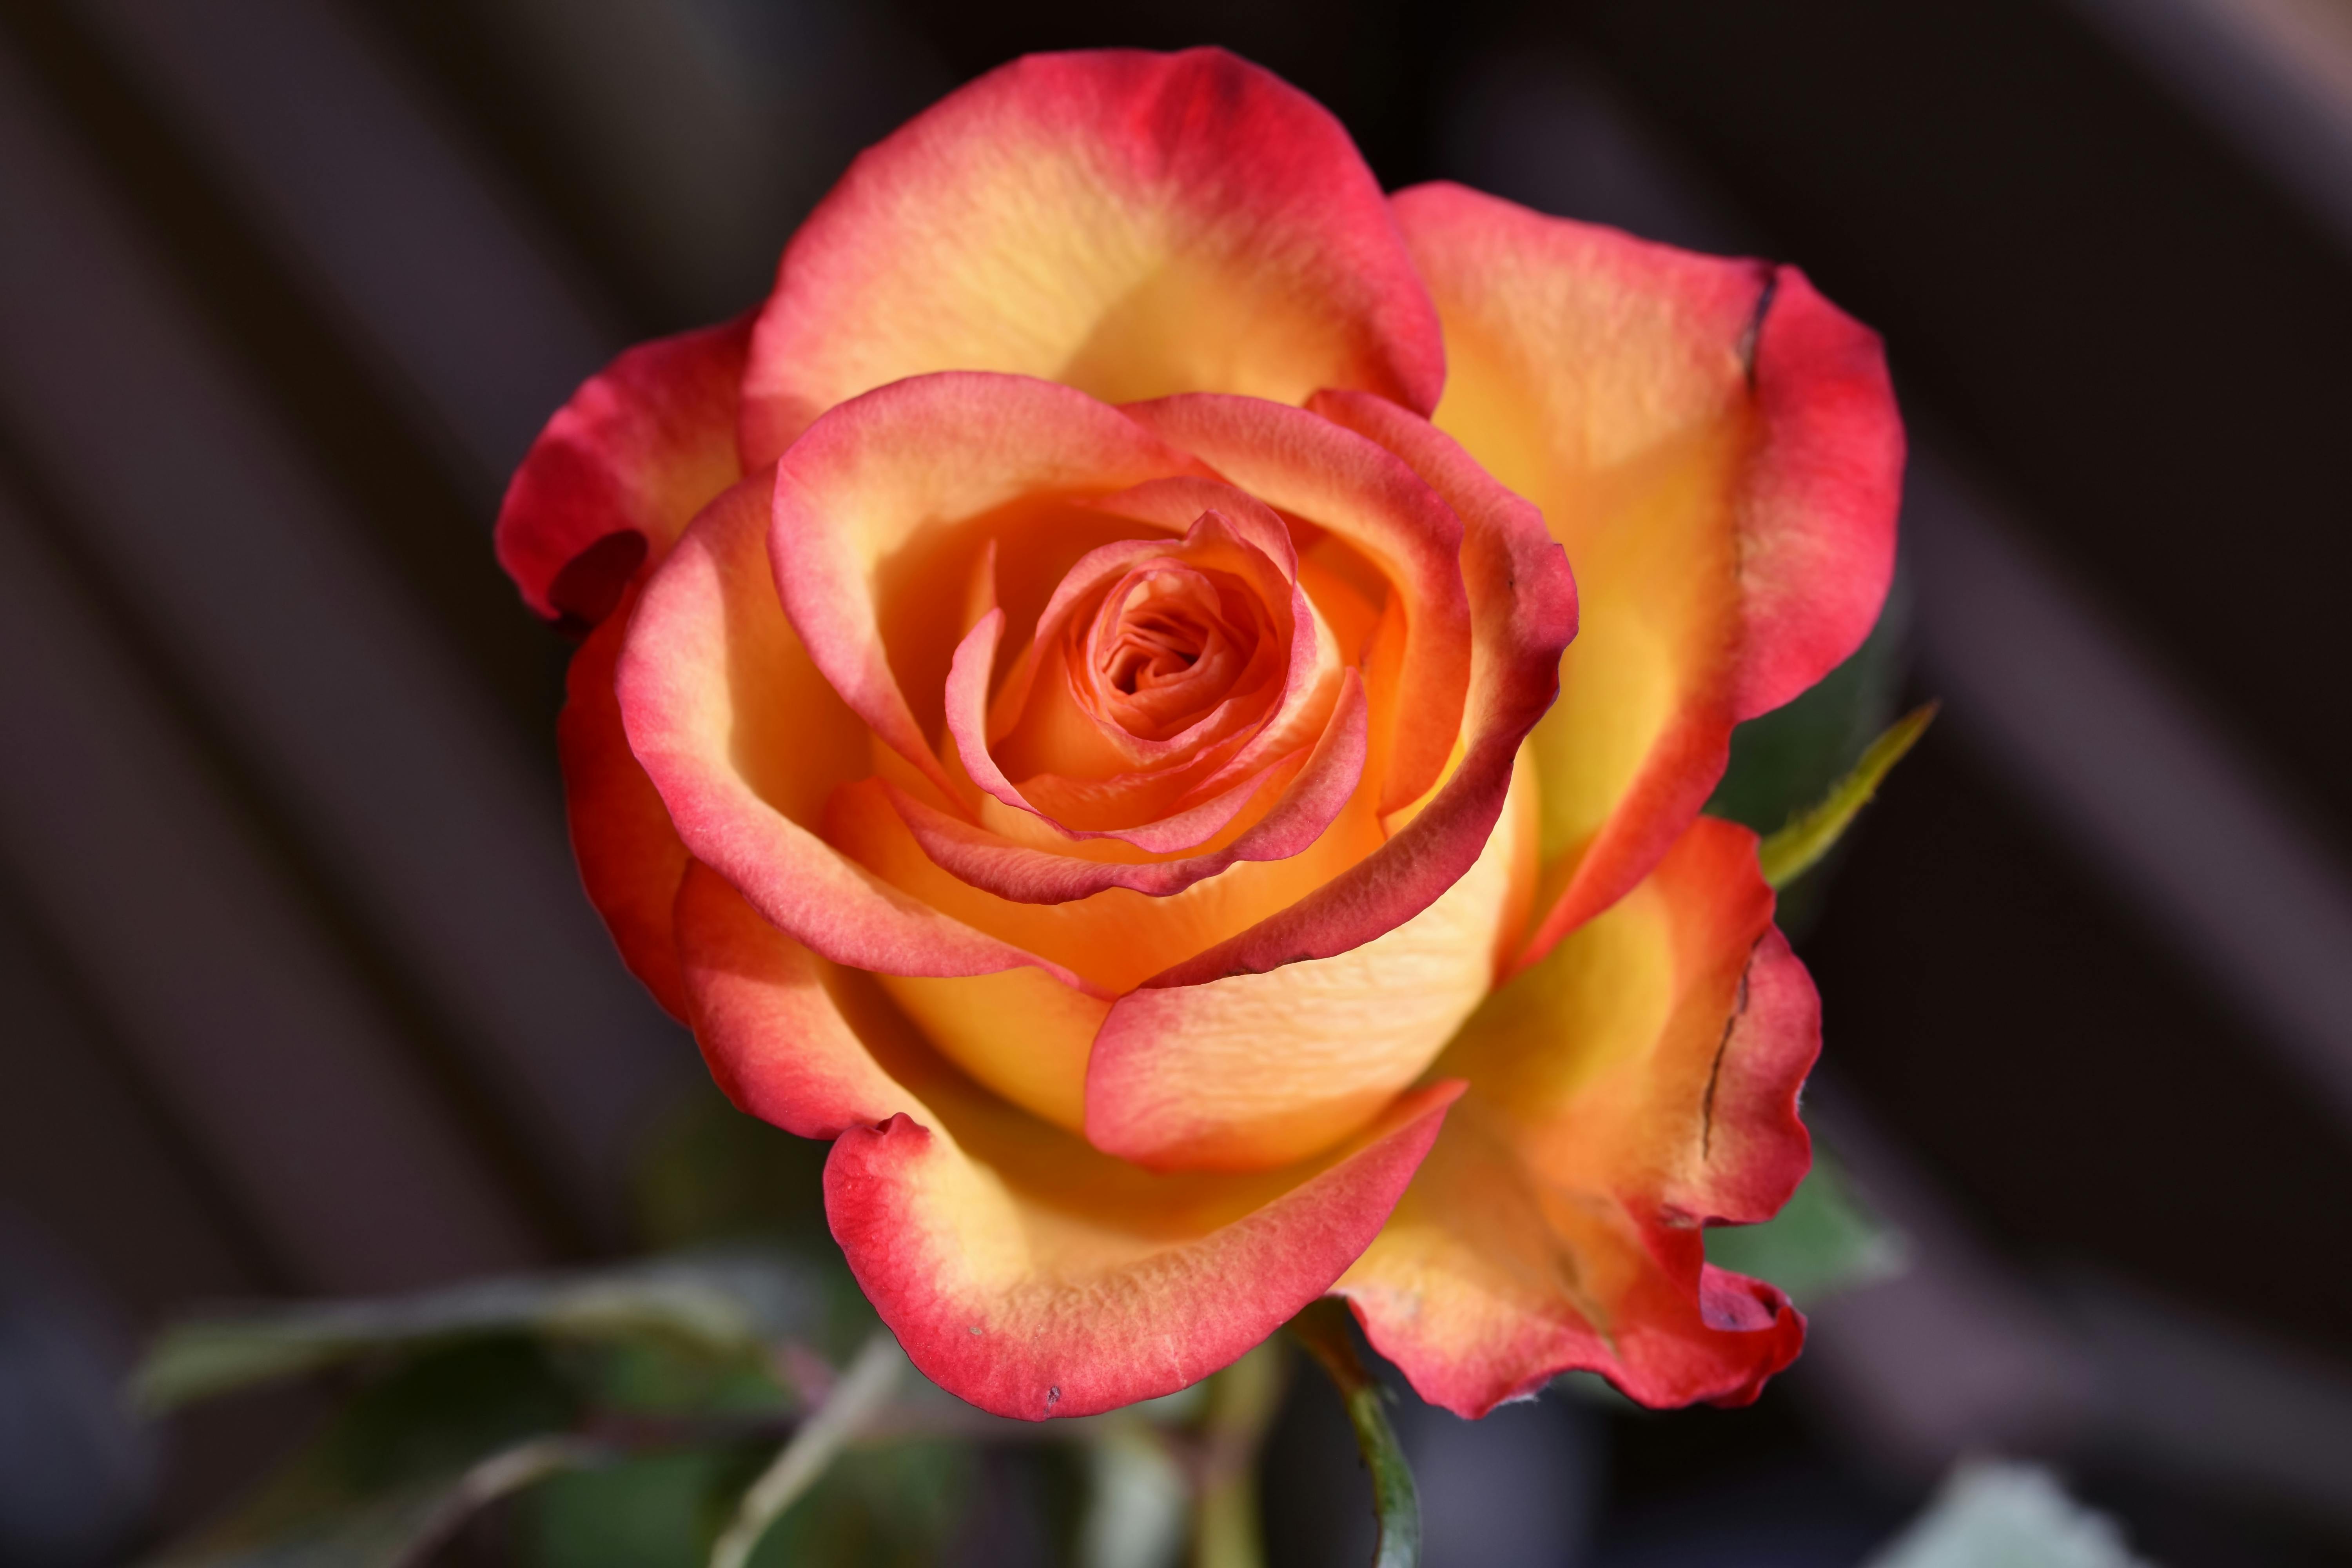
point(1637, 1083)
point(1255, 1070)
point(1307, 806)
point(877, 473)
point(1523, 611)
point(746, 742)
point(1021, 1270)
point(643, 445)
point(1523, 608)
point(1117, 938)
point(1197, 789)
point(1719, 451)
point(1302, 464)
point(1130, 223)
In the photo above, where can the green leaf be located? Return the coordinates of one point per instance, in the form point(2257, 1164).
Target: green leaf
point(1325, 1328)
point(1783, 761)
point(861, 1395)
point(722, 1306)
point(405, 1462)
point(1822, 1241)
point(2012, 1516)
point(1797, 847)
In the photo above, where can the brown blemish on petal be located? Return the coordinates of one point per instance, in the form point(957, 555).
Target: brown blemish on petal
point(1714, 1073)
point(1754, 330)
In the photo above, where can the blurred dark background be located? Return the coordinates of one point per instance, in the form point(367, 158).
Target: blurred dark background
point(297, 992)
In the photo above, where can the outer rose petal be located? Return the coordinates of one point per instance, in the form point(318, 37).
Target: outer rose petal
point(1638, 1083)
point(1020, 1269)
point(1719, 451)
point(630, 856)
point(1130, 223)
point(643, 445)
point(746, 742)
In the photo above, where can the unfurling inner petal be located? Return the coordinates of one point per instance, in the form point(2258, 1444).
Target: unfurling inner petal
point(1166, 679)
point(1169, 643)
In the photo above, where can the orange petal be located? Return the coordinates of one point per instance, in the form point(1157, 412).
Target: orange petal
point(1719, 448)
point(877, 474)
point(746, 742)
point(1114, 939)
point(1130, 223)
point(1254, 1070)
point(1523, 612)
point(1637, 1083)
point(1300, 463)
point(1021, 1269)
point(1307, 803)
point(619, 471)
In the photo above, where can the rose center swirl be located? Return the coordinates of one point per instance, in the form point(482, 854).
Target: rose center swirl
point(1168, 643)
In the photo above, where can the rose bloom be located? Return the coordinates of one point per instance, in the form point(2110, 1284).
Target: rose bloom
point(1085, 705)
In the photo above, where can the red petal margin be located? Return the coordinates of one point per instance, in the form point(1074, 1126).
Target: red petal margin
point(643, 445)
point(1637, 1084)
point(1718, 447)
point(1020, 1270)
point(1130, 223)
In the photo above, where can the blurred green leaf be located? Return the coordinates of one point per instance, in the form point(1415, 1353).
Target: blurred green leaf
point(405, 1462)
point(1993, 1515)
point(1790, 851)
point(723, 1306)
point(709, 1174)
point(849, 1409)
point(892, 1506)
point(1328, 1335)
point(1823, 1240)
point(656, 1510)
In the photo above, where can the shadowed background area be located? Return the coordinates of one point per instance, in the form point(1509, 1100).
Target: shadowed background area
point(299, 992)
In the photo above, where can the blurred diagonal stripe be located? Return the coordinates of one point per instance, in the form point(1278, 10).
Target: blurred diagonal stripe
point(2274, 74)
point(387, 761)
point(272, 1053)
point(360, 185)
point(2217, 858)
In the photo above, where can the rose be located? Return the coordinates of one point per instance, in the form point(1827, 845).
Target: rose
point(1058, 720)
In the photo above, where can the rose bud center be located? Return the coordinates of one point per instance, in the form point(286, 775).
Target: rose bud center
point(1170, 642)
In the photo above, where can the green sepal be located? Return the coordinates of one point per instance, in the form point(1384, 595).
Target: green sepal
point(1799, 845)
